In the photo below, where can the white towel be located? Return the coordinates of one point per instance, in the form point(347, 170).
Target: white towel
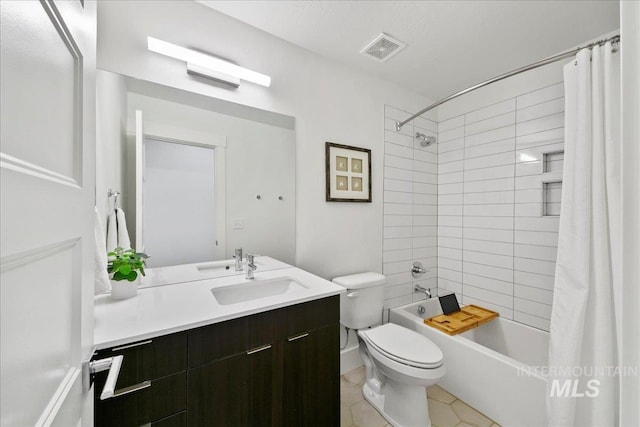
point(112, 232)
point(123, 234)
point(101, 281)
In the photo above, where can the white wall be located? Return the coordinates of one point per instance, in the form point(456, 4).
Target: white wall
point(330, 103)
point(111, 130)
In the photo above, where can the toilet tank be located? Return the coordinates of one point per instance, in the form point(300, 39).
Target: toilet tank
point(361, 305)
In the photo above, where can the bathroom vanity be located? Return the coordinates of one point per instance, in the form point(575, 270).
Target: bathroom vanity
point(223, 351)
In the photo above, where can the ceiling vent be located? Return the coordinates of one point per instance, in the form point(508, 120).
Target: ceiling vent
point(382, 48)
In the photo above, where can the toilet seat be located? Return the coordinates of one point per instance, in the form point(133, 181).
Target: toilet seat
point(404, 346)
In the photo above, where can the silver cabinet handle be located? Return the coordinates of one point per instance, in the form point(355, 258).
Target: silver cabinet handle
point(113, 364)
point(258, 349)
point(297, 337)
point(131, 389)
point(138, 344)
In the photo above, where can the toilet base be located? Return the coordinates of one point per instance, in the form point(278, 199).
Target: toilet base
point(377, 401)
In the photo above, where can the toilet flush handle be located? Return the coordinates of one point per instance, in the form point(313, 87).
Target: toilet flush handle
point(352, 294)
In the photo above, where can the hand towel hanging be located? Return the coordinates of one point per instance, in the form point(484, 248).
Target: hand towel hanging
point(123, 234)
point(101, 281)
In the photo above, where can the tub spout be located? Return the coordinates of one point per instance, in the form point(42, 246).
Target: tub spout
point(420, 290)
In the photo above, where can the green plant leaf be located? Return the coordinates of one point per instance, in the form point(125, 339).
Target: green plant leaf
point(125, 264)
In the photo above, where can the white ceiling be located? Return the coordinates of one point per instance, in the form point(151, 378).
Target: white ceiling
point(451, 44)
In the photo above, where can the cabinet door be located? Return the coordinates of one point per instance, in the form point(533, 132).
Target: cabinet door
point(311, 378)
point(263, 387)
point(236, 391)
point(218, 393)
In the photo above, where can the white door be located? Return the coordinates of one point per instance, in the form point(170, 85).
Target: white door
point(47, 174)
point(139, 171)
point(179, 218)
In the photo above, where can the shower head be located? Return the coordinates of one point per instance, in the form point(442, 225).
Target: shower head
point(425, 140)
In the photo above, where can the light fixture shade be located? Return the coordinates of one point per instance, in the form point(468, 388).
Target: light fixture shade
point(207, 62)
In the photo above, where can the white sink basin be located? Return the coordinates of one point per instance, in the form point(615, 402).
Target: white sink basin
point(256, 289)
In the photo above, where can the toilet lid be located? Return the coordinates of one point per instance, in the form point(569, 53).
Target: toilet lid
point(405, 346)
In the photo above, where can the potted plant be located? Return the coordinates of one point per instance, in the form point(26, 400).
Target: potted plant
point(125, 267)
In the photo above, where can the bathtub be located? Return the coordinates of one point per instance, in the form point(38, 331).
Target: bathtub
point(486, 366)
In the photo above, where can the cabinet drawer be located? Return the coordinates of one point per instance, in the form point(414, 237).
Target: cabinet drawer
point(161, 399)
point(149, 359)
point(220, 340)
point(216, 341)
point(307, 316)
point(177, 420)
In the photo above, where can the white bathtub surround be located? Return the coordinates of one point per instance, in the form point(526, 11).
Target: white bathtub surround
point(495, 368)
point(583, 330)
point(410, 207)
point(496, 249)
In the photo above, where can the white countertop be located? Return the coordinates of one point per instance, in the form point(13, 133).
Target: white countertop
point(203, 270)
point(161, 310)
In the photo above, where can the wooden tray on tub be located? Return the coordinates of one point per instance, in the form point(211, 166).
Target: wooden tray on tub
point(469, 317)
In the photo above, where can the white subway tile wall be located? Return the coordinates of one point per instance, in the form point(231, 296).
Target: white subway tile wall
point(410, 208)
point(495, 246)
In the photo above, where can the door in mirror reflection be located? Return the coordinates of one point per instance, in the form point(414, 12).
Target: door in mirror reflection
point(178, 212)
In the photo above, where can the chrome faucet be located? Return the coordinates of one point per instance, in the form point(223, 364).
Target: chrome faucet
point(238, 258)
point(420, 289)
point(251, 267)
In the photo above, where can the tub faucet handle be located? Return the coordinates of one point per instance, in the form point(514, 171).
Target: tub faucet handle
point(417, 270)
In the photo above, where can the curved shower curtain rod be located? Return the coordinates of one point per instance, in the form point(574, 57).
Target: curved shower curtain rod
point(549, 60)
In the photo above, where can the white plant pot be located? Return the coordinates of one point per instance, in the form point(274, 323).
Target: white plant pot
point(124, 289)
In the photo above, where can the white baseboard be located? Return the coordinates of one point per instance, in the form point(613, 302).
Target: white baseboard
point(350, 359)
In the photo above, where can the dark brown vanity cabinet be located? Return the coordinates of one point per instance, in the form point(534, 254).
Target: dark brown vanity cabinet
point(278, 368)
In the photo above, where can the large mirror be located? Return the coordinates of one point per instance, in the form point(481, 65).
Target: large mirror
point(198, 177)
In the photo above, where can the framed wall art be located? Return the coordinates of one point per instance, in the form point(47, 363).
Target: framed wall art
point(348, 173)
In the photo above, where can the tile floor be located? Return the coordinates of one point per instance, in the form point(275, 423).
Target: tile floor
point(445, 409)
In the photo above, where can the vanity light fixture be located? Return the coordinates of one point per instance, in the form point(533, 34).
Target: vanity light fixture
point(208, 66)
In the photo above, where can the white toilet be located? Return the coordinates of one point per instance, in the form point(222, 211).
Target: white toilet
point(399, 363)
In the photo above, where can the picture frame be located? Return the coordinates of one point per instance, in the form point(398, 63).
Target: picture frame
point(348, 173)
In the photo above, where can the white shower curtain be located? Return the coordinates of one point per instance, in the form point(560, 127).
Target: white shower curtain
point(582, 389)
